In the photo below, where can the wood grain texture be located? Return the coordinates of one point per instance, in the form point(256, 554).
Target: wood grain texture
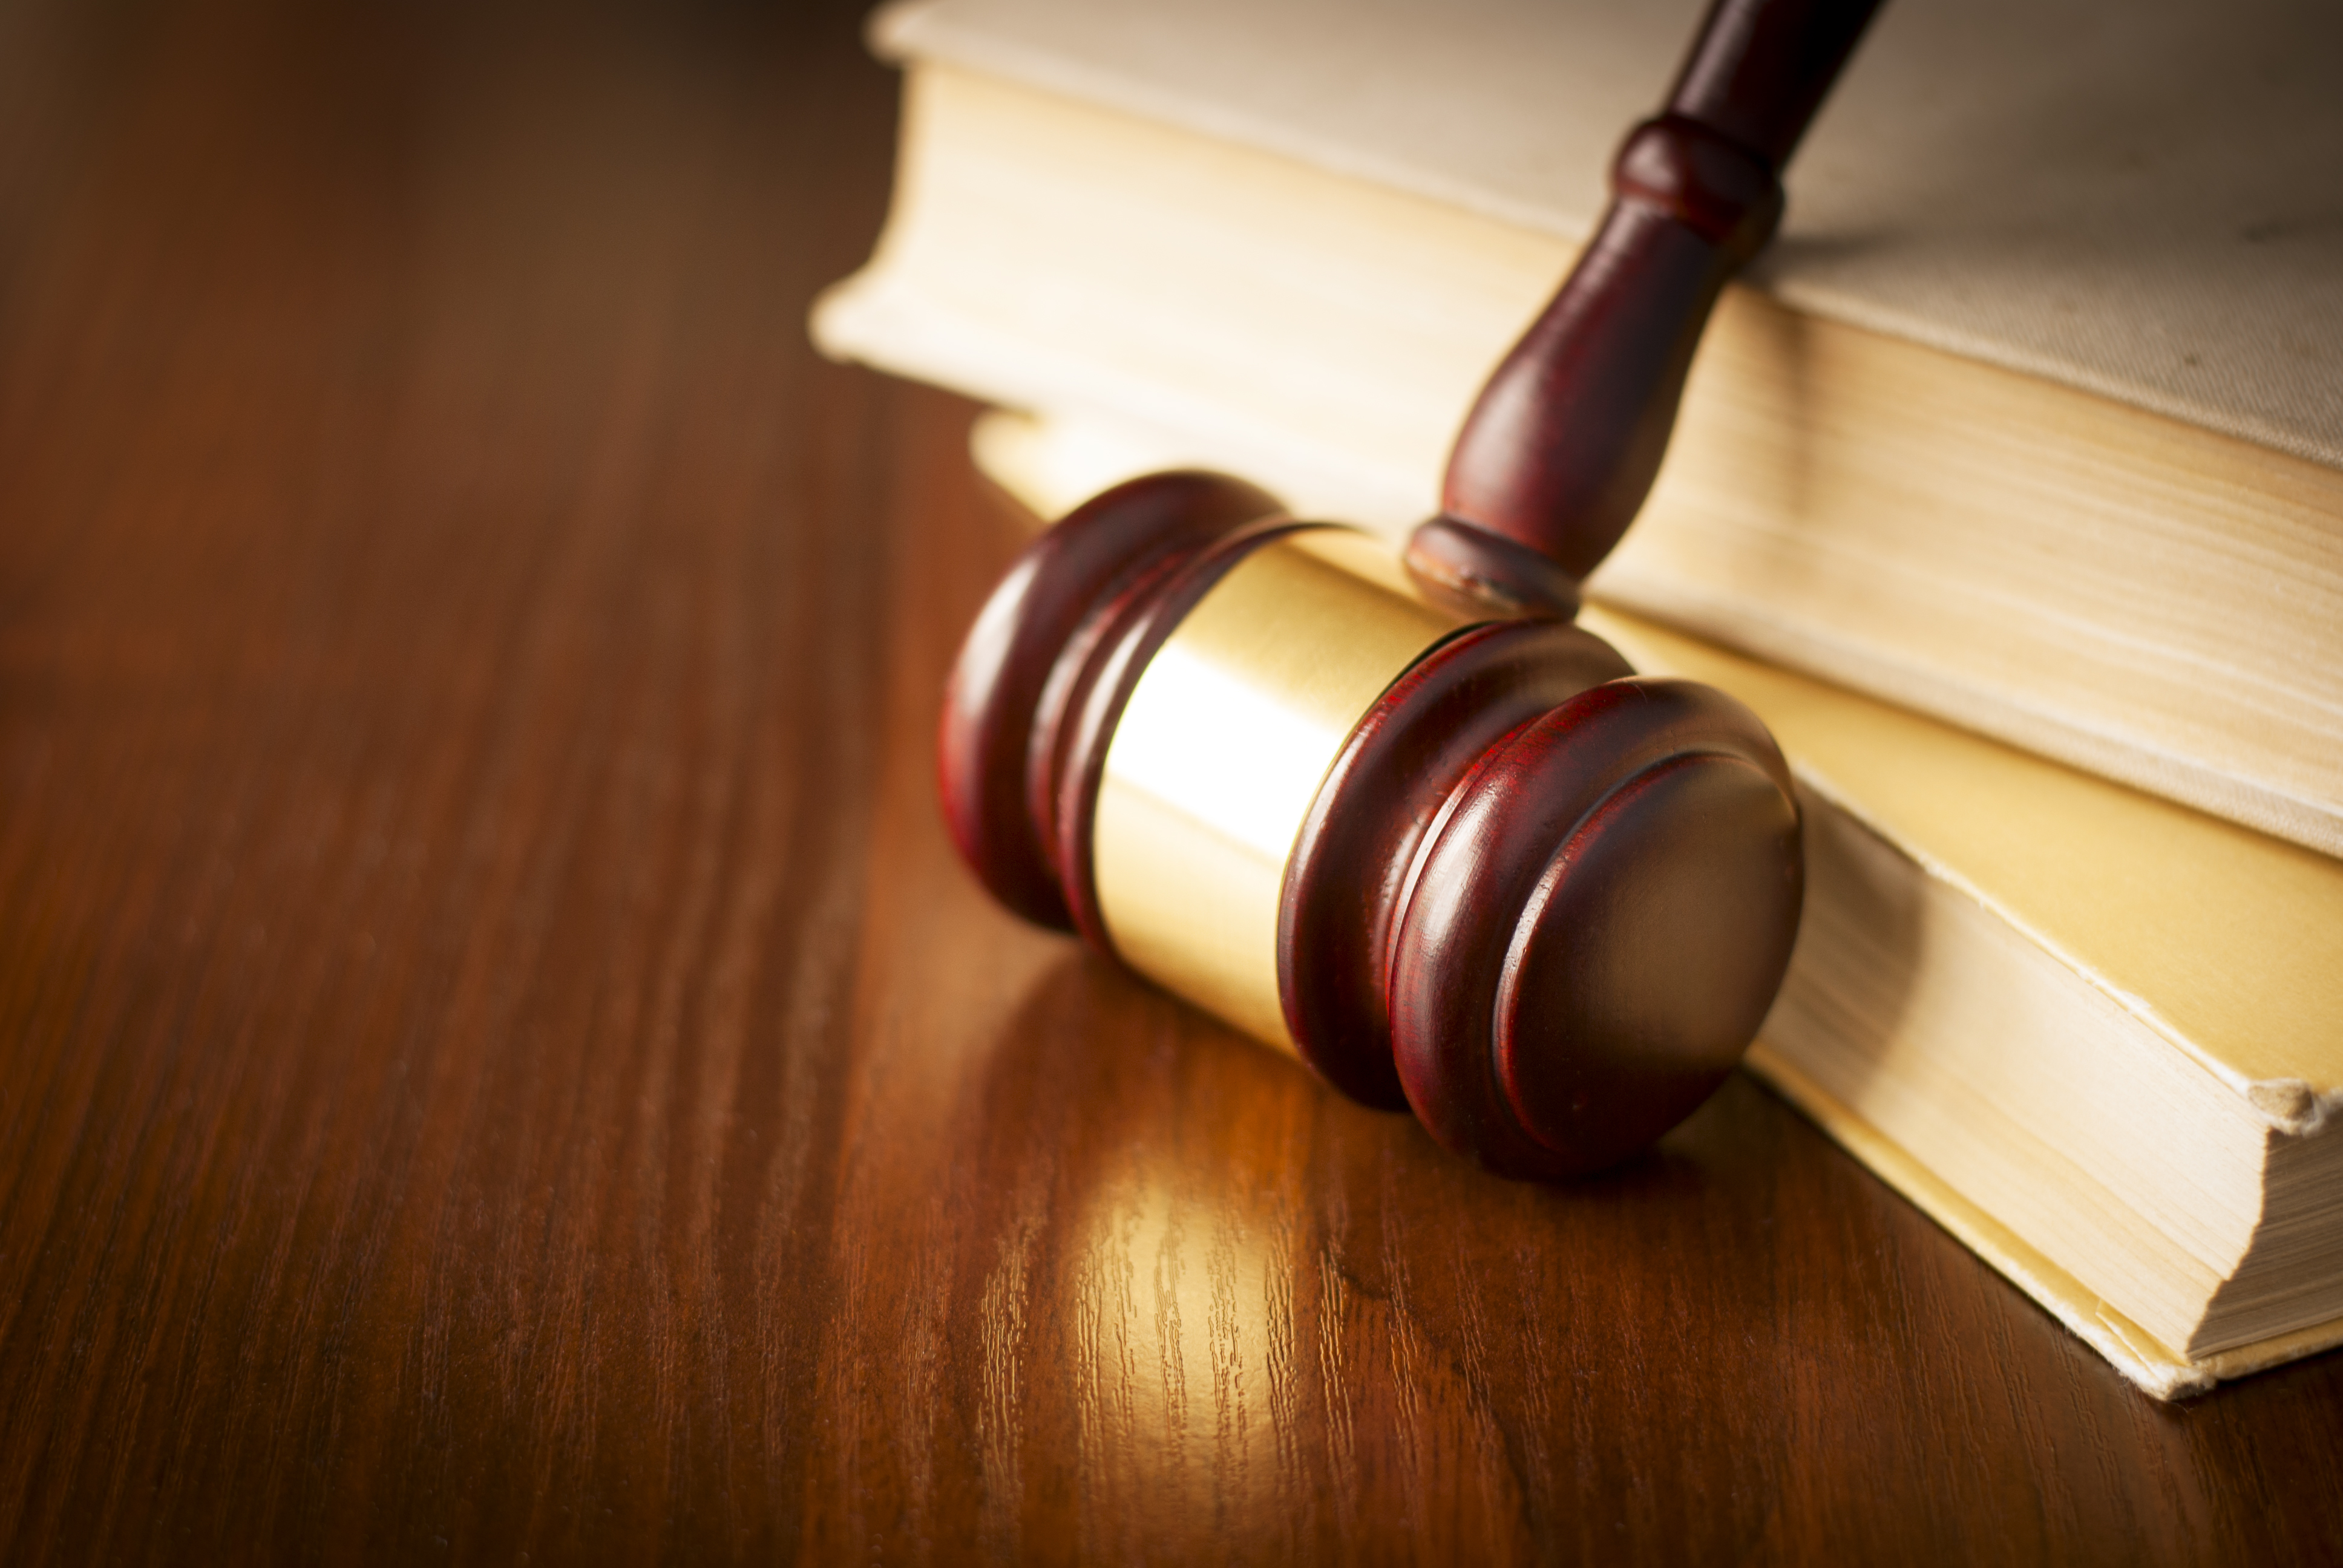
point(497, 1058)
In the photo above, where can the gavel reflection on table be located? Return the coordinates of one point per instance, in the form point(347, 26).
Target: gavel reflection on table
point(1401, 816)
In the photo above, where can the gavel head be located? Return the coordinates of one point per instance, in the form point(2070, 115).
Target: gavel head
point(1474, 866)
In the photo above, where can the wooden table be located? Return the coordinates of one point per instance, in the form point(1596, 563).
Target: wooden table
point(496, 1060)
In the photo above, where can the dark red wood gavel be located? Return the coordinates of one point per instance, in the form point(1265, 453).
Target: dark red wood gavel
point(1411, 822)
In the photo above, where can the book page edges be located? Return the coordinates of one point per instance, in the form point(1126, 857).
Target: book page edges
point(2280, 1057)
point(2272, 1042)
point(931, 34)
point(2290, 1106)
point(1014, 452)
point(2148, 1364)
point(2283, 1064)
point(2006, 715)
point(2118, 466)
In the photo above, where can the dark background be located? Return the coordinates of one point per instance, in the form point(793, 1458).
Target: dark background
point(497, 1061)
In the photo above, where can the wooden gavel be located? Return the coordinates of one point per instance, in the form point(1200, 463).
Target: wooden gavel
point(1404, 819)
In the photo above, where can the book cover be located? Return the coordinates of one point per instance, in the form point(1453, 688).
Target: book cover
point(2060, 550)
point(2087, 1030)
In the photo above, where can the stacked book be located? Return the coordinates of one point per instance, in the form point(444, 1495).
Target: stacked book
point(2009, 489)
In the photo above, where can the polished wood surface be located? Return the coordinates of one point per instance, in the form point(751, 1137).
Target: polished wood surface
point(499, 1062)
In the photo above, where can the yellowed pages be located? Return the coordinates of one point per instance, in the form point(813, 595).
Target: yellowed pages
point(2019, 557)
point(2136, 1354)
point(2223, 945)
point(2226, 942)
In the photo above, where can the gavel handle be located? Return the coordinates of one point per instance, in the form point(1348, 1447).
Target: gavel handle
point(1566, 437)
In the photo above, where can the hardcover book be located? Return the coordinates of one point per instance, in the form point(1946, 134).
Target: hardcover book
point(2092, 1032)
point(2031, 417)
point(1999, 431)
